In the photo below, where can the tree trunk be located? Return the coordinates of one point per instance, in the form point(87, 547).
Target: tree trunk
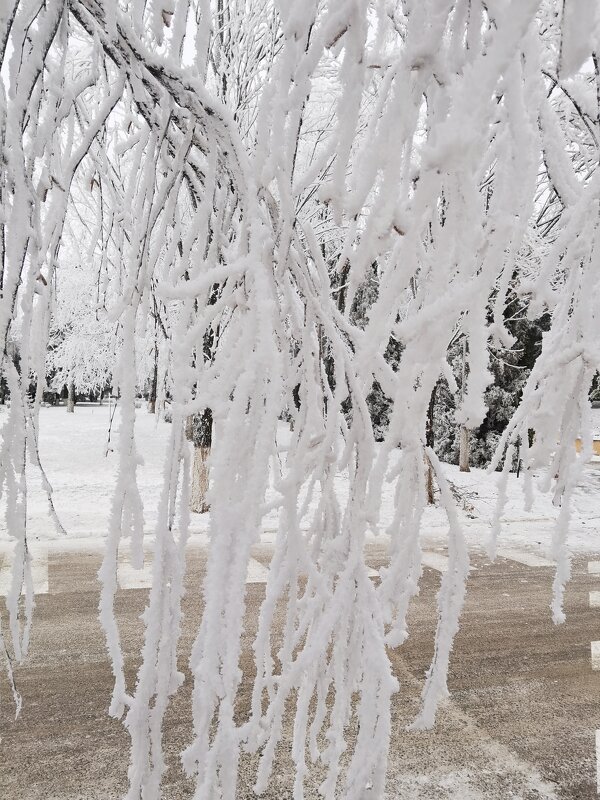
point(154, 384)
point(429, 482)
point(464, 444)
point(430, 442)
point(464, 451)
point(200, 428)
point(71, 398)
point(189, 428)
point(200, 478)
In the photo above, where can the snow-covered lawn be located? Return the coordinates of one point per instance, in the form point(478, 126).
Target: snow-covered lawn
point(521, 528)
point(81, 467)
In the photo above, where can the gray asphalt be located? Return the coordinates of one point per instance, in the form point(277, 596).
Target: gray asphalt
point(520, 722)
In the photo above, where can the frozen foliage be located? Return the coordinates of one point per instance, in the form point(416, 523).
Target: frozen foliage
point(230, 169)
point(510, 367)
point(82, 344)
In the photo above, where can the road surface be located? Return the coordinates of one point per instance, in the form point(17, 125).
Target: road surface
point(520, 723)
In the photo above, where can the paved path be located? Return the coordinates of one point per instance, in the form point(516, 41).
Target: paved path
point(522, 720)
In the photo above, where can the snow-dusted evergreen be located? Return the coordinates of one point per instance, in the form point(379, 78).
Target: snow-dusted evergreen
point(306, 185)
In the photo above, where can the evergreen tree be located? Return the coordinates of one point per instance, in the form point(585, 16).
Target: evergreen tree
point(510, 368)
point(378, 402)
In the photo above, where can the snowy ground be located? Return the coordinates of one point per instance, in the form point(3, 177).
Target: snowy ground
point(81, 467)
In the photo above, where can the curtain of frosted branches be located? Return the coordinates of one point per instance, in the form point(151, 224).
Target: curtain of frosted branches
point(233, 171)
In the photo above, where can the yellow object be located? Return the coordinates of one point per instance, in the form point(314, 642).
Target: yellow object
point(595, 446)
